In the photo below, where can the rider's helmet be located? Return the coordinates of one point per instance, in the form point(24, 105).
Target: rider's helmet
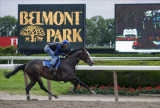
point(65, 42)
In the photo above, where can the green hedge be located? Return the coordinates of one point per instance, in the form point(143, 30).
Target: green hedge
point(8, 50)
point(133, 79)
point(125, 55)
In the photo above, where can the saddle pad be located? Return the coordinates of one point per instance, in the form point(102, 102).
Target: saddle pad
point(46, 63)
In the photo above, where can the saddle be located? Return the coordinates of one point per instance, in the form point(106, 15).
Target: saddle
point(47, 63)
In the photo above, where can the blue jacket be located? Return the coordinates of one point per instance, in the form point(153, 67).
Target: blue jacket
point(56, 47)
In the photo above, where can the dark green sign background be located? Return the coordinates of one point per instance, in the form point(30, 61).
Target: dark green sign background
point(41, 24)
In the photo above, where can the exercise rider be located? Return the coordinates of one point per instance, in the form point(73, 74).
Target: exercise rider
point(54, 50)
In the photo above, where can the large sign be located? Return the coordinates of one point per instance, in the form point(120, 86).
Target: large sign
point(137, 27)
point(42, 24)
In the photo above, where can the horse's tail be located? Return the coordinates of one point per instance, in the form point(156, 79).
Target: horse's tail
point(16, 69)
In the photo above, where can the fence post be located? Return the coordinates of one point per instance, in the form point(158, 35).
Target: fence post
point(49, 89)
point(26, 81)
point(12, 63)
point(8, 63)
point(115, 85)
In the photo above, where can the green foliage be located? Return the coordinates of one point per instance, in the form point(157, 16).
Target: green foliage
point(124, 62)
point(7, 51)
point(99, 31)
point(39, 55)
point(125, 78)
point(157, 55)
point(102, 48)
point(8, 26)
point(121, 90)
point(124, 55)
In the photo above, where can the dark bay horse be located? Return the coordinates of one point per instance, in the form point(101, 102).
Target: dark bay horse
point(66, 71)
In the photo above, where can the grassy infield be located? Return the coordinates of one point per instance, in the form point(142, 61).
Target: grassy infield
point(15, 85)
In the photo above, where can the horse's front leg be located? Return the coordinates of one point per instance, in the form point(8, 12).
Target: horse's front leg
point(84, 85)
point(75, 83)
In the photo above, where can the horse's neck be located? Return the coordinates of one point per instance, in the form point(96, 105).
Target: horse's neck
point(76, 54)
point(74, 60)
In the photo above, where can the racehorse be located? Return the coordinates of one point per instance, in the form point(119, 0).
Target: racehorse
point(65, 72)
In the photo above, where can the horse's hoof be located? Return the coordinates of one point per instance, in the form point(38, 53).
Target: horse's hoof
point(28, 98)
point(56, 97)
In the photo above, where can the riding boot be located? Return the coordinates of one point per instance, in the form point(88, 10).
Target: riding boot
point(51, 68)
point(54, 71)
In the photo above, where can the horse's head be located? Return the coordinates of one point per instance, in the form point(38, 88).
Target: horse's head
point(82, 54)
point(85, 56)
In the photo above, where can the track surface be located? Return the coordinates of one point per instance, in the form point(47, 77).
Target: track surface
point(79, 101)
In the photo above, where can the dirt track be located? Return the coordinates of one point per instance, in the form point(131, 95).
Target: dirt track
point(79, 101)
point(75, 104)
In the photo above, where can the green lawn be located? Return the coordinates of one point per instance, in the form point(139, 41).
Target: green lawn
point(16, 85)
point(123, 62)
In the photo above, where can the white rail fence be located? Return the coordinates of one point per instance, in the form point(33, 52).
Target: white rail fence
point(85, 67)
point(97, 67)
point(12, 58)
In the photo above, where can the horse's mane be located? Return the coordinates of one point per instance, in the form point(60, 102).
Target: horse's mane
point(73, 51)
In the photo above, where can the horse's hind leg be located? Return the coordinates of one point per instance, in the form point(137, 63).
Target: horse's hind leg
point(43, 87)
point(29, 86)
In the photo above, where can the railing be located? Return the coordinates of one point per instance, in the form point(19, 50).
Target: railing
point(12, 58)
point(85, 67)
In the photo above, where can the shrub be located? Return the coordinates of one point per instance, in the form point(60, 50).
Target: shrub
point(125, 78)
point(8, 50)
point(121, 90)
point(123, 55)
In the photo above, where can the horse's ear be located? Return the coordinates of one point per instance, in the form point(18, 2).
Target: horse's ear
point(82, 48)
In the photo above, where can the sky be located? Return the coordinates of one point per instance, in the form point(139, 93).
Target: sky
point(104, 8)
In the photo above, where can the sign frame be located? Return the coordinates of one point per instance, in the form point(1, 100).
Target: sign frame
point(75, 24)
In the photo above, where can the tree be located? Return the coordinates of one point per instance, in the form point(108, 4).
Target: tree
point(89, 32)
point(89, 40)
point(99, 31)
point(15, 31)
point(96, 23)
point(8, 26)
point(109, 30)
